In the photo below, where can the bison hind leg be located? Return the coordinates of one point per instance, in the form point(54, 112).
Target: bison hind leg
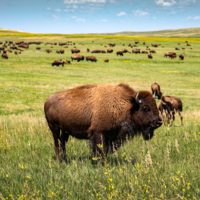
point(63, 140)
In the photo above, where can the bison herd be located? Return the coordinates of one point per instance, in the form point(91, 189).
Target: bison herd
point(107, 115)
point(76, 51)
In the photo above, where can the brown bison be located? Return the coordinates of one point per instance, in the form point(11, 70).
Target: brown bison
point(120, 53)
point(145, 52)
point(15, 53)
point(4, 55)
point(58, 63)
point(100, 113)
point(173, 56)
point(168, 106)
point(62, 51)
point(169, 54)
point(177, 48)
point(77, 57)
point(48, 50)
point(152, 51)
point(58, 52)
point(136, 51)
point(155, 88)
point(106, 60)
point(109, 50)
point(91, 58)
point(38, 48)
point(181, 57)
point(150, 56)
point(67, 62)
point(75, 51)
point(88, 50)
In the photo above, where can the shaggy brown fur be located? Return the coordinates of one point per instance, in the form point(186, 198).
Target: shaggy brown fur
point(168, 106)
point(91, 58)
point(77, 57)
point(100, 113)
point(155, 88)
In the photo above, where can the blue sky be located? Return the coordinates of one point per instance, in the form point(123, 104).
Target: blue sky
point(98, 16)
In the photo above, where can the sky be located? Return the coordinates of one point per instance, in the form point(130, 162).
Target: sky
point(98, 16)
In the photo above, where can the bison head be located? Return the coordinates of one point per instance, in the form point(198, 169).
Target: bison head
point(144, 114)
point(167, 105)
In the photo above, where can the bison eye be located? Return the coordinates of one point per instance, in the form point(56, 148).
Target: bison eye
point(145, 108)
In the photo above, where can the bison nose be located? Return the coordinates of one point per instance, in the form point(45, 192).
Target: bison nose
point(156, 124)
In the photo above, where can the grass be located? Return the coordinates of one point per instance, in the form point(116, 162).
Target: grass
point(167, 167)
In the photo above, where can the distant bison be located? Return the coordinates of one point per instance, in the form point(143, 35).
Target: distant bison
point(106, 60)
point(62, 51)
point(168, 106)
point(67, 62)
point(155, 88)
point(48, 50)
point(150, 56)
point(77, 57)
point(119, 53)
point(101, 114)
point(4, 55)
point(58, 63)
point(109, 50)
point(75, 51)
point(181, 57)
point(152, 51)
point(91, 58)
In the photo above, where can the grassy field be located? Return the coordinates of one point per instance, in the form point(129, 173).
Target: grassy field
point(167, 167)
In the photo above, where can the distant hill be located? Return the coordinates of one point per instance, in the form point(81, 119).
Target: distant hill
point(178, 33)
point(185, 32)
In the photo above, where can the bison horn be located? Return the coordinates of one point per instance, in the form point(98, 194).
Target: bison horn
point(137, 100)
point(172, 102)
point(154, 94)
point(163, 102)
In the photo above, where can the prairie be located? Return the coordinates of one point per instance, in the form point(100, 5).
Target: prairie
point(166, 167)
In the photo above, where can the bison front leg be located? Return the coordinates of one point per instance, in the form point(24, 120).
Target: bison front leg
point(96, 141)
point(181, 116)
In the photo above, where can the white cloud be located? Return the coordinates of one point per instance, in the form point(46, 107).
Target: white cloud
point(83, 1)
point(102, 20)
point(80, 20)
point(48, 8)
point(167, 3)
point(121, 14)
point(123, 21)
point(74, 17)
point(55, 16)
point(154, 17)
point(140, 13)
point(195, 18)
point(173, 12)
point(57, 10)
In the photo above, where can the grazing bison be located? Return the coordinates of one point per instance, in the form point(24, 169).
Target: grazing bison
point(67, 62)
point(62, 51)
point(177, 48)
point(88, 50)
point(136, 51)
point(119, 53)
point(100, 113)
point(16, 53)
point(181, 57)
point(38, 48)
point(109, 50)
point(173, 56)
point(152, 51)
point(48, 50)
point(77, 57)
point(58, 52)
point(106, 60)
point(188, 44)
point(4, 55)
point(145, 52)
point(150, 56)
point(58, 63)
point(168, 106)
point(169, 54)
point(91, 58)
point(155, 88)
point(75, 51)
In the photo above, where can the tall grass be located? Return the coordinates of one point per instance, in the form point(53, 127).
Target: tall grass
point(166, 167)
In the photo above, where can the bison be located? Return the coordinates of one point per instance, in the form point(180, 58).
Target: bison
point(155, 88)
point(77, 57)
point(100, 113)
point(48, 50)
point(119, 53)
point(169, 54)
point(181, 57)
point(67, 62)
point(4, 55)
point(62, 51)
point(58, 63)
point(109, 50)
point(152, 51)
point(106, 60)
point(168, 106)
point(91, 58)
point(75, 51)
point(150, 56)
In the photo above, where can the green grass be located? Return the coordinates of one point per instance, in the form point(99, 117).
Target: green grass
point(167, 167)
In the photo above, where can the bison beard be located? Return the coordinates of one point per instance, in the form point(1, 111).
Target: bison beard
point(100, 113)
